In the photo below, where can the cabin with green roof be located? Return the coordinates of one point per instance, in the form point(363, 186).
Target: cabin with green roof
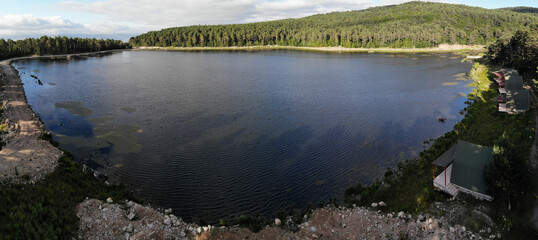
point(463, 170)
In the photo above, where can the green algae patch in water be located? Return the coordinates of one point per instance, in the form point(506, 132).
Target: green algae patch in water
point(122, 137)
point(74, 107)
point(449, 83)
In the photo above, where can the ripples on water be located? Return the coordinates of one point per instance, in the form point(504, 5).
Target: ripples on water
point(213, 134)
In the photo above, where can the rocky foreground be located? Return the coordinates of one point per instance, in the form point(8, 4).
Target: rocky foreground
point(129, 220)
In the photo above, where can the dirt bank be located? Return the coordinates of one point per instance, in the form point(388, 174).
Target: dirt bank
point(128, 220)
point(440, 48)
point(25, 157)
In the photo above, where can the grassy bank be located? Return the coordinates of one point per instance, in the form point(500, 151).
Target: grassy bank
point(45, 210)
point(321, 49)
point(409, 188)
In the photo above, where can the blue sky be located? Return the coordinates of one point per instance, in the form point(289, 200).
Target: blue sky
point(121, 19)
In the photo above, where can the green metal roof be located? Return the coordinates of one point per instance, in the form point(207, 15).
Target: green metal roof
point(446, 158)
point(514, 82)
point(469, 163)
point(518, 100)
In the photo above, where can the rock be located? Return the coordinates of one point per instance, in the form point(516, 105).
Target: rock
point(127, 236)
point(421, 218)
point(168, 211)
point(489, 230)
point(129, 228)
point(167, 221)
point(277, 222)
point(374, 204)
point(401, 214)
point(199, 229)
point(452, 229)
point(382, 204)
point(498, 235)
point(409, 216)
point(430, 220)
point(205, 229)
point(463, 229)
point(109, 200)
point(131, 216)
point(314, 236)
point(313, 229)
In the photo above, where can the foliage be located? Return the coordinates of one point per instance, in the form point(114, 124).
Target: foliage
point(507, 176)
point(413, 24)
point(520, 51)
point(45, 210)
point(55, 45)
point(522, 9)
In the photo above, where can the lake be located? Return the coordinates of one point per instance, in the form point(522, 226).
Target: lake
point(217, 134)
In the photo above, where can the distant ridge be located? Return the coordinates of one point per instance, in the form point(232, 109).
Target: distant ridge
point(408, 25)
point(522, 9)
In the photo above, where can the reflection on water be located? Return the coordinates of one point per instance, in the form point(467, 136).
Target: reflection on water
point(212, 134)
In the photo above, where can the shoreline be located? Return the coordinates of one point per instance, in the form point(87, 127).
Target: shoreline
point(443, 48)
point(62, 56)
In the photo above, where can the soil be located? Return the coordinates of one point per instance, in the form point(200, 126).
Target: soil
point(25, 157)
point(440, 48)
point(100, 220)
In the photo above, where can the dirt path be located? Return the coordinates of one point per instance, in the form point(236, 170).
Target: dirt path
point(25, 157)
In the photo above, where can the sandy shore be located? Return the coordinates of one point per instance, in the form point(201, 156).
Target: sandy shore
point(441, 48)
point(25, 157)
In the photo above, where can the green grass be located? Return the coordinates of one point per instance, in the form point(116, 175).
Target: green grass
point(46, 209)
point(409, 188)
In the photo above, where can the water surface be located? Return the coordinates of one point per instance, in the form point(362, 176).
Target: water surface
point(214, 134)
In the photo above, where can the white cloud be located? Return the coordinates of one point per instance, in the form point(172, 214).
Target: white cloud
point(169, 13)
point(11, 24)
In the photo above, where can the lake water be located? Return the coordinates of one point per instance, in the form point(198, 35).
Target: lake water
point(216, 134)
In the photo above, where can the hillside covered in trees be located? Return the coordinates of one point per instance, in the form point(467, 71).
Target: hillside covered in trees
point(413, 24)
point(522, 9)
point(55, 45)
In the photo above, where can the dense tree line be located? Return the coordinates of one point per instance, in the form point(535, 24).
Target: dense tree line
point(519, 51)
point(55, 45)
point(414, 24)
point(522, 9)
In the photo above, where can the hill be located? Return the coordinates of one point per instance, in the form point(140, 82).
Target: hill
point(412, 24)
point(522, 9)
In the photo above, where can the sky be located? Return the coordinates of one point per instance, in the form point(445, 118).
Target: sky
point(121, 19)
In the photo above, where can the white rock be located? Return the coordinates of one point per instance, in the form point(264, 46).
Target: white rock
point(463, 229)
point(314, 236)
point(313, 229)
point(489, 230)
point(109, 200)
point(452, 229)
point(430, 220)
point(374, 204)
point(199, 230)
point(382, 204)
point(205, 229)
point(131, 216)
point(129, 228)
point(277, 222)
point(401, 214)
point(167, 221)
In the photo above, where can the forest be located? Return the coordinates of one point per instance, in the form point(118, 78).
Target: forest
point(408, 25)
point(55, 45)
